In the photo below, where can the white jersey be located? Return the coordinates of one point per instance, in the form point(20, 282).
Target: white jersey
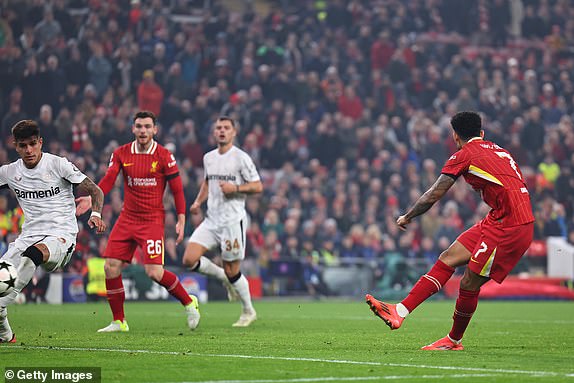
point(45, 194)
point(234, 166)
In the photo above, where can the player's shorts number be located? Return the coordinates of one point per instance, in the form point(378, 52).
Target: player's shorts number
point(229, 245)
point(154, 247)
point(483, 248)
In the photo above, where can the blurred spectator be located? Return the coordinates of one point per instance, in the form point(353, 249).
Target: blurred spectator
point(150, 94)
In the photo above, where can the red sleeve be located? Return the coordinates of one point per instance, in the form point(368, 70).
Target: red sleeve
point(457, 164)
point(170, 164)
point(107, 183)
point(175, 185)
point(177, 190)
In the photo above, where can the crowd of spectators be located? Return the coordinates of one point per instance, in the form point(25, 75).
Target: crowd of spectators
point(343, 105)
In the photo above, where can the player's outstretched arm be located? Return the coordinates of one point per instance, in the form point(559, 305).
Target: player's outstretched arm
point(427, 200)
point(97, 202)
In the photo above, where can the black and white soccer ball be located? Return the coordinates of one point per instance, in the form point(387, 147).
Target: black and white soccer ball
point(8, 276)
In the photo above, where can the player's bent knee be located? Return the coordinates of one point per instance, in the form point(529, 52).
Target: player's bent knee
point(34, 254)
point(192, 254)
point(189, 261)
point(155, 273)
point(471, 281)
point(467, 284)
point(192, 260)
point(112, 269)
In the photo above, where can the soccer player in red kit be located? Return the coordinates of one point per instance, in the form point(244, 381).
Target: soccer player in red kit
point(146, 167)
point(490, 249)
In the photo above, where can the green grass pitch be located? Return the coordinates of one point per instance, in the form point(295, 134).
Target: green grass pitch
point(298, 341)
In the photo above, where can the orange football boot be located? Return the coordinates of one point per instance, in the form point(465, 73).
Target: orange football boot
point(444, 344)
point(386, 311)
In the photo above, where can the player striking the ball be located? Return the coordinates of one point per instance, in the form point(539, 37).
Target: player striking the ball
point(44, 186)
point(490, 249)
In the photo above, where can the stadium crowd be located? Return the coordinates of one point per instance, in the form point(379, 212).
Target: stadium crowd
point(343, 105)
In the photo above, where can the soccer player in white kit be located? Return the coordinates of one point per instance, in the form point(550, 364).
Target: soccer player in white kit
point(43, 184)
point(230, 175)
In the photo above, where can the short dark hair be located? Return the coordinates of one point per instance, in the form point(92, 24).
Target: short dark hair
point(227, 118)
point(25, 129)
point(145, 114)
point(466, 124)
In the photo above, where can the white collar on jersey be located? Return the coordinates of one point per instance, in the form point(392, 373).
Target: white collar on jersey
point(474, 139)
point(150, 150)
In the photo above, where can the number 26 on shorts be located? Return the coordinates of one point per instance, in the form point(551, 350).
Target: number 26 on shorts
point(154, 247)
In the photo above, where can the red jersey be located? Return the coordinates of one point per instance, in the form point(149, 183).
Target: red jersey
point(145, 177)
point(490, 169)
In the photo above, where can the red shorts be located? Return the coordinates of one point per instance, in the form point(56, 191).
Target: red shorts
point(496, 249)
point(126, 236)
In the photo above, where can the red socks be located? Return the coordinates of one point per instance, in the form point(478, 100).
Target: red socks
point(116, 297)
point(431, 283)
point(465, 306)
point(172, 285)
point(428, 284)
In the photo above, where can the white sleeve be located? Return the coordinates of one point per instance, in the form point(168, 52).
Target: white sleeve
point(204, 168)
point(69, 171)
point(3, 176)
point(248, 169)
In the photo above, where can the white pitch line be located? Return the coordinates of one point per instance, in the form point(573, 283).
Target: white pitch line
point(335, 361)
point(350, 378)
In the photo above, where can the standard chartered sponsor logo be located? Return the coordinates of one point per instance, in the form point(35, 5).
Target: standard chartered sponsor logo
point(136, 181)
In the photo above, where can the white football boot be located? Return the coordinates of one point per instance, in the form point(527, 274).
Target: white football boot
point(192, 311)
point(116, 326)
point(6, 334)
point(246, 318)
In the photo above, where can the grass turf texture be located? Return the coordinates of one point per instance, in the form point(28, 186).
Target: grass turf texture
point(298, 341)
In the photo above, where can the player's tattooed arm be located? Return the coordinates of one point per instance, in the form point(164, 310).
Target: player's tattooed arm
point(427, 200)
point(97, 195)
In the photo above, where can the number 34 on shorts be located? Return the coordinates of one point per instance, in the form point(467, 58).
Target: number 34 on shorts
point(232, 245)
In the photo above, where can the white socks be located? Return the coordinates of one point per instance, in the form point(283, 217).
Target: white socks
point(402, 310)
point(209, 268)
point(26, 271)
point(454, 341)
point(242, 287)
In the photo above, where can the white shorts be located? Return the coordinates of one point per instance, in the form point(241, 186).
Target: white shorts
point(61, 249)
point(231, 239)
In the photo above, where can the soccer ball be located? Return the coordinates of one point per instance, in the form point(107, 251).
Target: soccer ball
point(8, 276)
